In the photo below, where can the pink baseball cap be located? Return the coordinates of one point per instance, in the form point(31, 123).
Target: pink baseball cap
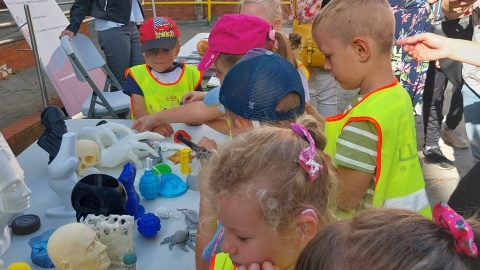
point(234, 34)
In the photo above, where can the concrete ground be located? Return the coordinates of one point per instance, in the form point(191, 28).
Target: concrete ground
point(20, 96)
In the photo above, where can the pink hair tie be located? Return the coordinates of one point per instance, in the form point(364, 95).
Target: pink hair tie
point(454, 224)
point(307, 155)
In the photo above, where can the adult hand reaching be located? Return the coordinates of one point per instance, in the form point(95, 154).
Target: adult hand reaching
point(425, 47)
point(124, 149)
point(104, 135)
point(68, 33)
point(429, 47)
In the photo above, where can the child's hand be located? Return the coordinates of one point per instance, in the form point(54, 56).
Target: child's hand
point(207, 143)
point(164, 129)
point(194, 124)
point(144, 123)
point(193, 96)
point(254, 266)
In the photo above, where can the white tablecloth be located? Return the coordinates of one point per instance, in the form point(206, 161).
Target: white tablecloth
point(151, 255)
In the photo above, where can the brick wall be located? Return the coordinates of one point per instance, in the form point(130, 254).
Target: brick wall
point(13, 57)
point(187, 12)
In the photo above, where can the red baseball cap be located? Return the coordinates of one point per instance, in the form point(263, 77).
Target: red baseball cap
point(159, 33)
point(234, 34)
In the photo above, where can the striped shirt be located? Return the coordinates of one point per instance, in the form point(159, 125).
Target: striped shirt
point(357, 149)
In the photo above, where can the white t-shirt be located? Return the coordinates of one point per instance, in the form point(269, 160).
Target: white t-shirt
point(135, 16)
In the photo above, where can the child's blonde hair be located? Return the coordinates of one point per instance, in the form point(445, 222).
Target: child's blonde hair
point(346, 19)
point(272, 7)
point(266, 160)
point(386, 239)
point(225, 61)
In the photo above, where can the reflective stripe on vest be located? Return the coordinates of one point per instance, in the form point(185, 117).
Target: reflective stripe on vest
point(415, 201)
point(301, 66)
point(161, 96)
point(399, 177)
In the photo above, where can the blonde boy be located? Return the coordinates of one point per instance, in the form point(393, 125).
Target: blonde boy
point(373, 143)
point(160, 83)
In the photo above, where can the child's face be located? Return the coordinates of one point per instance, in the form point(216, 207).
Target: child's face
point(247, 238)
point(161, 59)
point(340, 59)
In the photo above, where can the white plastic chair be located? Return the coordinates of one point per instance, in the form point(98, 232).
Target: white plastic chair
point(85, 57)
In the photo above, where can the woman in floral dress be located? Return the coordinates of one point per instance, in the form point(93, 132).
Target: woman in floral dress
point(411, 17)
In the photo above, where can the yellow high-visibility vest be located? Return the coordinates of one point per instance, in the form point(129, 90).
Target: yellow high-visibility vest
point(162, 96)
point(221, 261)
point(399, 177)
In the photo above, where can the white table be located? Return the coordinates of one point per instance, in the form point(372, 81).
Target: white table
point(190, 47)
point(151, 255)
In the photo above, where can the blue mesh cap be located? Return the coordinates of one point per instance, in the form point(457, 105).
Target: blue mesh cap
point(255, 85)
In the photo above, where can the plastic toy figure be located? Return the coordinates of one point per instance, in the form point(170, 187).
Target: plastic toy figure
point(63, 177)
point(185, 160)
point(99, 194)
point(14, 194)
point(75, 246)
point(149, 225)
point(127, 178)
point(182, 238)
point(52, 118)
point(149, 182)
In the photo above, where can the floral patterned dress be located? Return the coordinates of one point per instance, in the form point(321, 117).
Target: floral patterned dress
point(411, 17)
point(306, 10)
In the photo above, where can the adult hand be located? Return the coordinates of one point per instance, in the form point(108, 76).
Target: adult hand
point(104, 135)
point(164, 129)
point(425, 47)
point(453, 9)
point(67, 33)
point(207, 143)
point(124, 149)
point(254, 266)
point(193, 96)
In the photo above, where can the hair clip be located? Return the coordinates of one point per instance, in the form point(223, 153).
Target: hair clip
point(307, 155)
point(454, 224)
point(271, 34)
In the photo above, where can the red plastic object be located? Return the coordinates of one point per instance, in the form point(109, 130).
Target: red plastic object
point(184, 133)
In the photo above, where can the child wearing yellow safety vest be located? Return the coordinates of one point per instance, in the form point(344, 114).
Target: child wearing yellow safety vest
point(373, 143)
point(160, 83)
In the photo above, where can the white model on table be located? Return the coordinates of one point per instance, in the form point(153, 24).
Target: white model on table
point(151, 255)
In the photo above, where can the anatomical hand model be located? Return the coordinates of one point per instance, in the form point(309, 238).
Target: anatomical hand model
point(104, 135)
point(124, 150)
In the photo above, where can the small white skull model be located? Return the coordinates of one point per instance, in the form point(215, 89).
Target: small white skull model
point(115, 232)
point(88, 154)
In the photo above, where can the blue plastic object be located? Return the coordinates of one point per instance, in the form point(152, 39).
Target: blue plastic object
point(149, 184)
point(148, 225)
point(127, 178)
point(39, 253)
point(171, 186)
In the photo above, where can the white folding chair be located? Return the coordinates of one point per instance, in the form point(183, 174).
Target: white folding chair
point(85, 57)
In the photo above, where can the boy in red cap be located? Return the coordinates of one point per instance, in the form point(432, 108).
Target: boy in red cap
point(160, 83)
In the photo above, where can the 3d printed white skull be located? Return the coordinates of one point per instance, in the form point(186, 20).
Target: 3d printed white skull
point(88, 154)
point(115, 232)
